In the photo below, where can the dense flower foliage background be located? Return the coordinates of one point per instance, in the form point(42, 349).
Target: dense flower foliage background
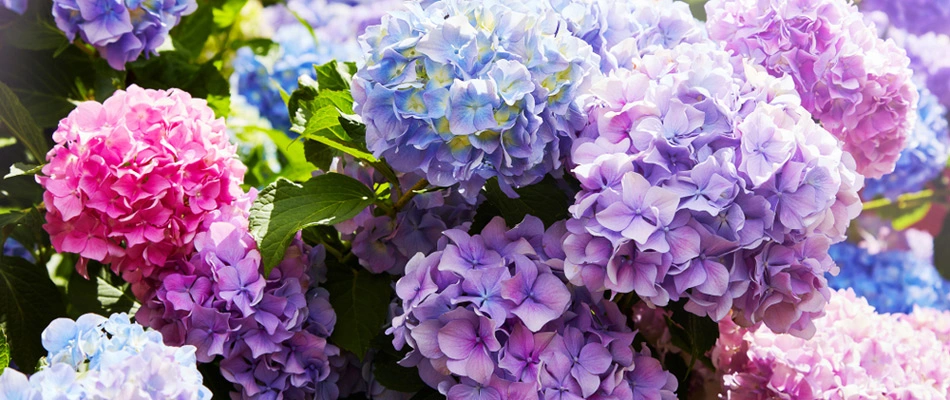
point(474, 199)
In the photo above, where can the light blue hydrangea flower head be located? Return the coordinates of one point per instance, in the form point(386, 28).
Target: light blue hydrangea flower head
point(95, 357)
point(461, 91)
point(925, 156)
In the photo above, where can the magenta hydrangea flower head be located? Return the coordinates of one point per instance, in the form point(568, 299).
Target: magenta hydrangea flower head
point(702, 178)
point(461, 91)
point(857, 85)
point(491, 314)
point(122, 30)
point(130, 180)
point(270, 333)
point(856, 353)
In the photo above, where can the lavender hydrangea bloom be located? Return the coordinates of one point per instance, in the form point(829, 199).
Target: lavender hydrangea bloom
point(929, 55)
point(925, 156)
point(702, 178)
point(270, 333)
point(98, 358)
point(892, 281)
point(491, 315)
point(915, 16)
point(463, 91)
point(857, 85)
point(122, 30)
point(17, 6)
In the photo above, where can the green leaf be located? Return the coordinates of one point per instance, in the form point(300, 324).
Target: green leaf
point(34, 34)
point(225, 16)
point(942, 249)
point(260, 46)
point(4, 352)
point(285, 207)
point(544, 200)
point(693, 334)
point(361, 301)
point(333, 76)
point(21, 169)
point(28, 302)
point(49, 86)
point(388, 372)
point(319, 154)
point(20, 124)
point(174, 69)
point(911, 216)
point(103, 293)
point(193, 32)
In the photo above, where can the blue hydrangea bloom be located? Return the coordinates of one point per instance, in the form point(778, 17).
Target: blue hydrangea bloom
point(260, 79)
point(12, 248)
point(98, 358)
point(893, 281)
point(462, 91)
point(924, 157)
point(121, 30)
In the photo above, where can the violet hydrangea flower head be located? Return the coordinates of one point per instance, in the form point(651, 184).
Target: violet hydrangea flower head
point(98, 358)
point(490, 313)
point(929, 55)
point(915, 16)
point(122, 30)
point(925, 156)
point(130, 180)
point(856, 353)
point(461, 91)
point(857, 85)
point(702, 178)
point(270, 333)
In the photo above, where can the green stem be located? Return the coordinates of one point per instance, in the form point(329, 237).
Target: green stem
point(904, 201)
point(406, 197)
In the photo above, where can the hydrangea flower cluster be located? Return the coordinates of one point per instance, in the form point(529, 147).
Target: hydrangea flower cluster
point(261, 78)
point(929, 55)
point(130, 180)
point(857, 85)
point(856, 353)
point(490, 314)
point(17, 6)
point(925, 156)
point(703, 182)
point(915, 16)
point(98, 358)
point(929, 319)
point(385, 244)
point(892, 281)
point(121, 29)
point(462, 91)
point(652, 24)
point(270, 331)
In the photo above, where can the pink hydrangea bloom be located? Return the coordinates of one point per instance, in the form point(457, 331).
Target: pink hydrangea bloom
point(855, 354)
point(131, 179)
point(857, 85)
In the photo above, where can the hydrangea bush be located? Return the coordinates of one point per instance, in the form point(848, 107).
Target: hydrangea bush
point(461, 199)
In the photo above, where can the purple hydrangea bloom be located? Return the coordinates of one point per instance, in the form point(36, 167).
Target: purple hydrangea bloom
point(385, 244)
point(121, 30)
point(915, 16)
point(269, 332)
point(857, 85)
point(925, 156)
point(98, 358)
point(461, 91)
point(492, 315)
point(704, 179)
